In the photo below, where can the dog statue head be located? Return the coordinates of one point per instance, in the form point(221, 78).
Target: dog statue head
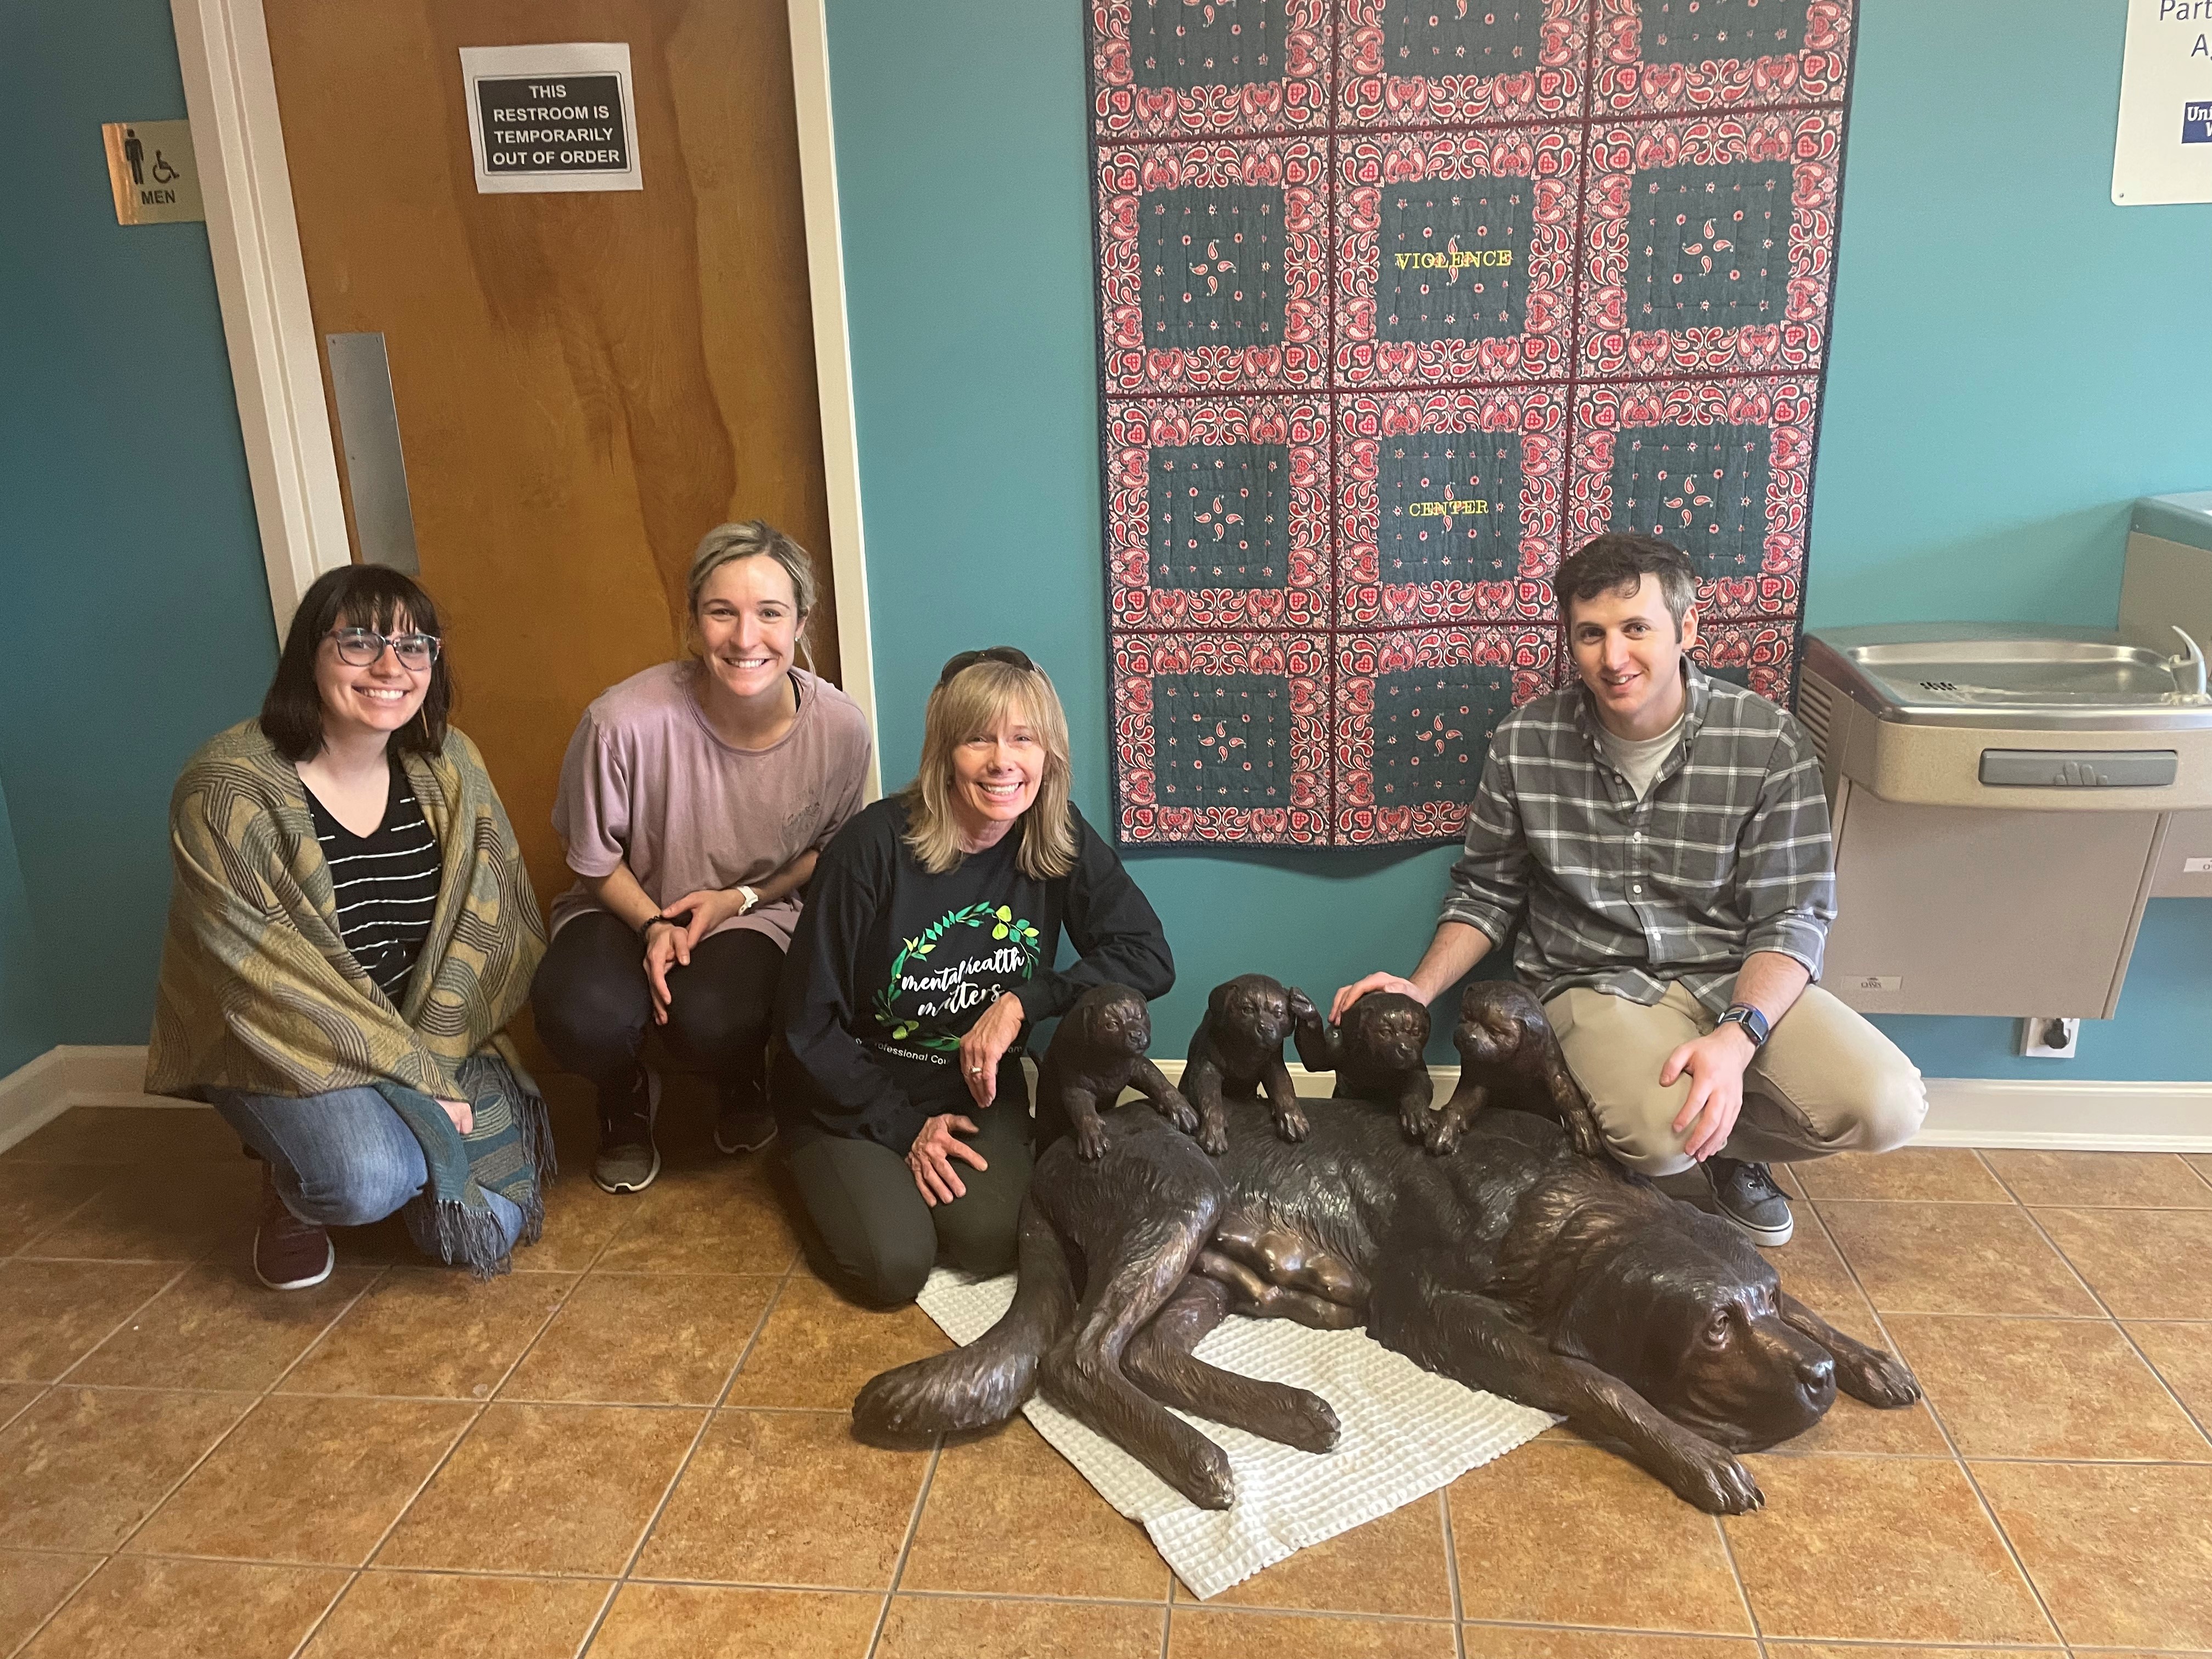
point(1115, 1022)
point(1386, 1031)
point(1248, 1019)
point(1671, 1301)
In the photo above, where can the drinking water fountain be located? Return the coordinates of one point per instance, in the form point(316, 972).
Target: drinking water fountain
point(2007, 800)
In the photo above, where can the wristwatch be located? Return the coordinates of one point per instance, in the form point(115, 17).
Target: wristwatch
point(1753, 1022)
point(750, 895)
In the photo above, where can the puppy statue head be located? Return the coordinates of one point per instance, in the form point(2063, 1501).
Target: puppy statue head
point(1250, 1018)
point(1386, 1031)
point(1499, 1021)
point(1678, 1306)
point(1120, 1022)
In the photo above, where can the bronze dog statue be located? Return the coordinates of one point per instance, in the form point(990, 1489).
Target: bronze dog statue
point(1511, 1264)
point(1377, 1053)
point(1510, 1056)
point(1097, 1051)
point(1237, 1051)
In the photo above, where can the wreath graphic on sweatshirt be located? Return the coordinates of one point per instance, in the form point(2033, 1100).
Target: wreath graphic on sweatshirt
point(1017, 933)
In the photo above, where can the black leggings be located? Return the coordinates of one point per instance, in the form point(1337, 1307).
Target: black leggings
point(593, 1005)
point(870, 1231)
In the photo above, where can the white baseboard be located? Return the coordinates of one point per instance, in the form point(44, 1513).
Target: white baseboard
point(2038, 1114)
point(2050, 1114)
point(73, 1074)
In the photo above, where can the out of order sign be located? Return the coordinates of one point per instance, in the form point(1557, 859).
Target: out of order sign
point(551, 118)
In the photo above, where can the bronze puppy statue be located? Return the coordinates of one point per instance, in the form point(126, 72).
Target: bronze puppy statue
point(1098, 1052)
point(1377, 1054)
point(1510, 1056)
point(1237, 1050)
point(1513, 1264)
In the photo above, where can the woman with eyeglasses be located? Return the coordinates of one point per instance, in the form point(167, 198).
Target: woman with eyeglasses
point(694, 800)
point(927, 954)
point(350, 929)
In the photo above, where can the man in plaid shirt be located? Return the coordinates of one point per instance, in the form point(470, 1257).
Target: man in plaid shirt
point(1663, 837)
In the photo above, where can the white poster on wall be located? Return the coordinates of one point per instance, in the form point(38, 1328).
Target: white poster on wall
point(2164, 149)
point(551, 118)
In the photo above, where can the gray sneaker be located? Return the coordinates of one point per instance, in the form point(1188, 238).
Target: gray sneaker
point(628, 1160)
point(743, 1121)
point(1749, 1201)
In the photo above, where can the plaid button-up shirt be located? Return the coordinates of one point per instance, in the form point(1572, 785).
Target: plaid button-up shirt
point(1726, 854)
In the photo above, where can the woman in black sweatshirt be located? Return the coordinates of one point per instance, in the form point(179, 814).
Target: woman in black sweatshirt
point(923, 959)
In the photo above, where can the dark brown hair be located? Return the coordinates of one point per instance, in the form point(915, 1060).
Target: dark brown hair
point(353, 596)
point(1617, 562)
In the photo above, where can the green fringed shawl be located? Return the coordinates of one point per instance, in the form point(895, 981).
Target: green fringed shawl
point(259, 994)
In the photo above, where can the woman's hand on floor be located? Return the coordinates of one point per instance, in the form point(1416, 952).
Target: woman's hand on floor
point(931, 1157)
point(986, 1044)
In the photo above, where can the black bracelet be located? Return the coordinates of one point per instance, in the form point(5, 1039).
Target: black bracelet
point(649, 920)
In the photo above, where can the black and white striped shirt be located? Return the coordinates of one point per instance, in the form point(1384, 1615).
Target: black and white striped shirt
point(1727, 852)
point(386, 885)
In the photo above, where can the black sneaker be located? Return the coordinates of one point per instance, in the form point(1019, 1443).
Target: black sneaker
point(627, 1159)
point(744, 1123)
point(1749, 1201)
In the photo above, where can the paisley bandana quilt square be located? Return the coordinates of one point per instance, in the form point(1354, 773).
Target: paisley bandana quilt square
point(1182, 69)
point(1400, 302)
point(1223, 736)
point(1655, 56)
point(1453, 502)
point(1709, 244)
point(1217, 512)
point(1424, 63)
point(1213, 267)
point(1722, 468)
point(1414, 713)
point(1455, 258)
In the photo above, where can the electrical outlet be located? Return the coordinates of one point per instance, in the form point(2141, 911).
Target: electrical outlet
point(2049, 1036)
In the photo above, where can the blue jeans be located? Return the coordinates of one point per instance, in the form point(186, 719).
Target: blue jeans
point(345, 1159)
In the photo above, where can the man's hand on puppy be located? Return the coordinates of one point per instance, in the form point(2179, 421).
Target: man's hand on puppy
point(1359, 987)
point(931, 1157)
point(1715, 1064)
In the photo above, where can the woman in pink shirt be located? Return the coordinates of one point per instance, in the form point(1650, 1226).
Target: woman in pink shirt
point(693, 800)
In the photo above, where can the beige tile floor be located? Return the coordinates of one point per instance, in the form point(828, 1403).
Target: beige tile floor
point(635, 1446)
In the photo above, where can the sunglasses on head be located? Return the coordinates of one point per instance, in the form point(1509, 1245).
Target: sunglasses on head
point(968, 659)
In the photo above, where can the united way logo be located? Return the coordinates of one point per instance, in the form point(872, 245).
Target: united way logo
point(2196, 122)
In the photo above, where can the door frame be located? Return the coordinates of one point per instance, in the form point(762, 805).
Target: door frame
point(275, 362)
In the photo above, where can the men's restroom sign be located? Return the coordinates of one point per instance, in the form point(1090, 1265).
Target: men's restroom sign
point(151, 172)
point(555, 118)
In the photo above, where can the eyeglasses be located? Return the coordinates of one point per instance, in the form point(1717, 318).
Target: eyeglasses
point(361, 647)
point(966, 659)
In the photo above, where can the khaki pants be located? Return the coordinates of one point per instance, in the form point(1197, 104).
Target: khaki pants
point(1826, 1081)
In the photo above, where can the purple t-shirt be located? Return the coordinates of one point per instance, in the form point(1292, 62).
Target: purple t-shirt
point(646, 782)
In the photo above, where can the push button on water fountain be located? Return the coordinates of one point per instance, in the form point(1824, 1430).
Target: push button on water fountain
point(2078, 768)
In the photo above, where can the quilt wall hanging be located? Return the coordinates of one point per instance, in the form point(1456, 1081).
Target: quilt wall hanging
point(1400, 301)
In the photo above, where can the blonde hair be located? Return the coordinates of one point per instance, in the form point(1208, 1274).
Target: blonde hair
point(726, 543)
point(975, 701)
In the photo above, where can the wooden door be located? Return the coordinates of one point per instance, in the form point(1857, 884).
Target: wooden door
point(585, 382)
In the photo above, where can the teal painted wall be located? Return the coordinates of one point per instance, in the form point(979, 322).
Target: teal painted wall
point(27, 1014)
point(2015, 359)
point(137, 622)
